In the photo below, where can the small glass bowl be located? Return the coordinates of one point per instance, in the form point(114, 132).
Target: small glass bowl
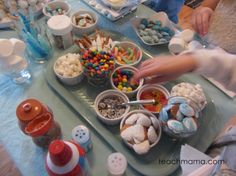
point(180, 117)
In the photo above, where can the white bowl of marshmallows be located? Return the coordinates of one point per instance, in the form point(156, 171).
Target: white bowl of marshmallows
point(68, 69)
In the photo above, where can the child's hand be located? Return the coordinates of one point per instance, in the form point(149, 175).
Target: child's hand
point(165, 68)
point(200, 19)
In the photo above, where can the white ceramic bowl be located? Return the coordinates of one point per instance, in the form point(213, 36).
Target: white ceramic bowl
point(108, 93)
point(71, 81)
point(159, 130)
point(131, 45)
point(153, 87)
point(130, 68)
point(56, 4)
point(78, 30)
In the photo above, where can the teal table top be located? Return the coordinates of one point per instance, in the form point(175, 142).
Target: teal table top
point(28, 157)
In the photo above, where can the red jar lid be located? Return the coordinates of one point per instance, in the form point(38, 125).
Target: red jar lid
point(40, 125)
point(29, 109)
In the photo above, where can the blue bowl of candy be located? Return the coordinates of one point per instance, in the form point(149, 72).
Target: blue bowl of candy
point(56, 8)
point(121, 80)
point(156, 30)
point(180, 117)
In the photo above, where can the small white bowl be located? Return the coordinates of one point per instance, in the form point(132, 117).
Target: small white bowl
point(79, 30)
point(131, 45)
point(108, 93)
point(71, 81)
point(153, 87)
point(56, 4)
point(130, 68)
point(159, 130)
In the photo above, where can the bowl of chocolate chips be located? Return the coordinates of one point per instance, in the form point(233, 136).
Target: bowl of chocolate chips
point(109, 108)
point(84, 22)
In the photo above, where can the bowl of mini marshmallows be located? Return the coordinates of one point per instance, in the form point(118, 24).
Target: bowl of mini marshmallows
point(68, 69)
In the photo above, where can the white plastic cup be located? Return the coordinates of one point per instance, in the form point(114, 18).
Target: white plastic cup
point(177, 45)
point(18, 45)
point(6, 48)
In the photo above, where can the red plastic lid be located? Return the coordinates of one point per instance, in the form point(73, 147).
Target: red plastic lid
point(60, 152)
point(29, 109)
point(40, 125)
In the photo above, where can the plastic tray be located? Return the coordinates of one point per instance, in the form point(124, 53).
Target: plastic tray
point(81, 99)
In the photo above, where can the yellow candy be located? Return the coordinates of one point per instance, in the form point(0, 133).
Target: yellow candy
point(120, 87)
point(129, 89)
point(106, 66)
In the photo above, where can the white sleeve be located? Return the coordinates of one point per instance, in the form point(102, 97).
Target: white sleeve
point(217, 64)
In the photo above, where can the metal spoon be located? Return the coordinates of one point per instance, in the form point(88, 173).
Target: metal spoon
point(137, 102)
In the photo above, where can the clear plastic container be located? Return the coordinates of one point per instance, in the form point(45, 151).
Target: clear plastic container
point(61, 29)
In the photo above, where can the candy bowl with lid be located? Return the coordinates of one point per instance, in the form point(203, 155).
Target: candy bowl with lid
point(180, 117)
point(68, 69)
point(107, 109)
point(127, 53)
point(98, 66)
point(153, 91)
point(121, 80)
point(140, 130)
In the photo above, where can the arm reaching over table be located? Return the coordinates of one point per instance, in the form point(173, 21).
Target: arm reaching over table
point(212, 63)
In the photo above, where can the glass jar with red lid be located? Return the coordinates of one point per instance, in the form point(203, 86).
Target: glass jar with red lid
point(30, 109)
point(43, 130)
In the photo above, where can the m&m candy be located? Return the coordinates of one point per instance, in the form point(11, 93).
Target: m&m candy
point(122, 79)
point(97, 64)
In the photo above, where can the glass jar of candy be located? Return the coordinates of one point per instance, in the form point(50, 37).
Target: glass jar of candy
point(98, 66)
point(43, 130)
point(180, 117)
point(28, 110)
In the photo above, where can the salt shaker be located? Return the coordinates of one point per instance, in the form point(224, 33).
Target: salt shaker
point(81, 135)
point(116, 164)
point(61, 29)
point(65, 158)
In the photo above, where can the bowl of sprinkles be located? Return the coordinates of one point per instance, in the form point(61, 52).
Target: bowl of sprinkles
point(127, 53)
point(98, 66)
point(106, 107)
point(153, 91)
point(121, 79)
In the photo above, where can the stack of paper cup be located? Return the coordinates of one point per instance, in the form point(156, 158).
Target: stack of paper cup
point(18, 46)
point(65, 158)
point(177, 45)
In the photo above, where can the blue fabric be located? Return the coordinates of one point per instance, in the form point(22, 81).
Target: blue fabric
point(171, 7)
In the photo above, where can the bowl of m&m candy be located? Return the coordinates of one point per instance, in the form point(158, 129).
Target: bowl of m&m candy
point(127, 53)
point(153, 91)
point(98, 66)
point(122, 80)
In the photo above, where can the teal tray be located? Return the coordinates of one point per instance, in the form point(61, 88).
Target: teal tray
point(81, 99)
